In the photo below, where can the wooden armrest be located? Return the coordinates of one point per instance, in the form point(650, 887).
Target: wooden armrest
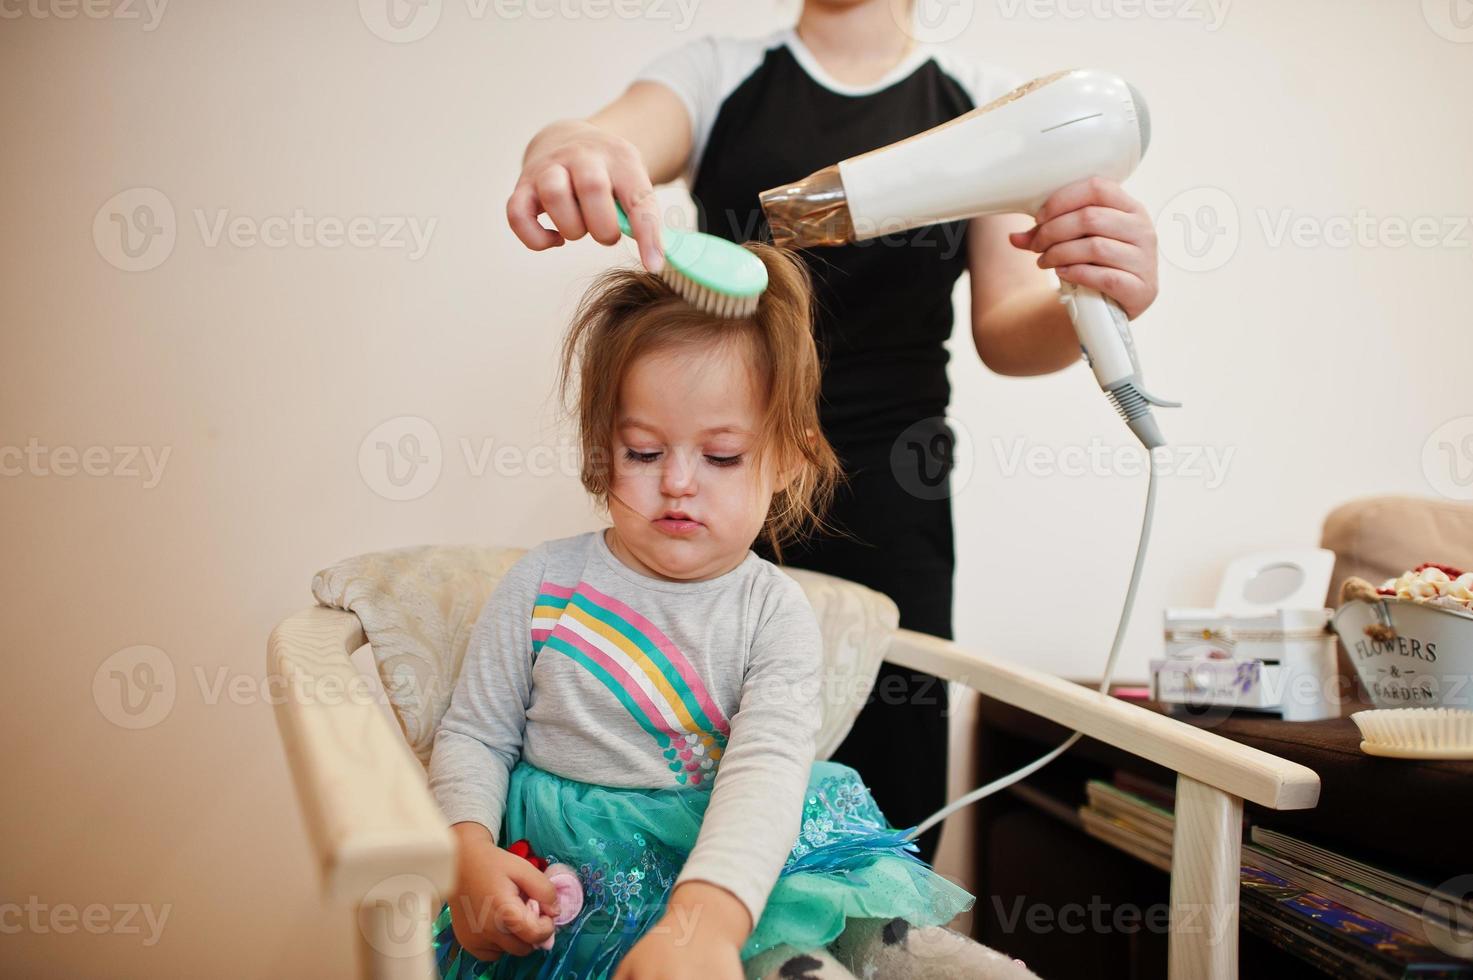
point(368, 808)
point(1210, 759)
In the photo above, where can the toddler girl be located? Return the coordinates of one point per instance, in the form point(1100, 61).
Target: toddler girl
point(640, 702)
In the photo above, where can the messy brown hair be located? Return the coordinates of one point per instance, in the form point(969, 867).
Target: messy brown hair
point(629, 313)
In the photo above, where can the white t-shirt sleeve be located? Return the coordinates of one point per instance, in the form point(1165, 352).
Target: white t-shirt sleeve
point(702, 73)
point(691, 72)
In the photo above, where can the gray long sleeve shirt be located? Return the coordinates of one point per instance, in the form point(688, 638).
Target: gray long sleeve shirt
point(591, 670)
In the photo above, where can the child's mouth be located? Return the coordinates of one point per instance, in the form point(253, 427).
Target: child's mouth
point(677, 524)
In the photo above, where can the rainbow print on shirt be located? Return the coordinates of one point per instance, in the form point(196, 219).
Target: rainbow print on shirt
point(642, 668)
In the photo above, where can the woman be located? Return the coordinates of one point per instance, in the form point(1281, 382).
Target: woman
point(737, 116)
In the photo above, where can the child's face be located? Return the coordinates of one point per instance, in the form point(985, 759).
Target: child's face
point(682, 444)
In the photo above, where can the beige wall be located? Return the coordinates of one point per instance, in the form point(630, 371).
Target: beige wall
point(261, 371)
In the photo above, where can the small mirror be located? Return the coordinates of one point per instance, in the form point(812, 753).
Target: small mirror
point(1273, 583)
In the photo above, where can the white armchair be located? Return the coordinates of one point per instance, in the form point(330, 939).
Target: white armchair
point(383, 846)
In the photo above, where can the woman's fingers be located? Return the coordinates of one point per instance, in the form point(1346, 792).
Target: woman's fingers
point(1090, 221)
point(1082, 193)
point(555, 191)
point(1095, 235)
point(1092, 251)
point(1127, 289)
point(1118, 270)
point(595, 197)
point(576, 186)
point(522, 209)
point(637, 194)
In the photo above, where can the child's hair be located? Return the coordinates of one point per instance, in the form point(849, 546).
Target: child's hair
point(629, 313)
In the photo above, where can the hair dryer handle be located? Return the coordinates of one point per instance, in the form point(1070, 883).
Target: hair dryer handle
point(1104, 334)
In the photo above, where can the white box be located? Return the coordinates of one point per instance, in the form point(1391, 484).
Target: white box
point(1265, 646)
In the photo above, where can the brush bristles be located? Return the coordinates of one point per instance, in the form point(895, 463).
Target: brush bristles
point(1416, 730)
point(709, 300)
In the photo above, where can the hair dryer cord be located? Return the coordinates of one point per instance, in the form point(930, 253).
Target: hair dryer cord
point(1003, 782)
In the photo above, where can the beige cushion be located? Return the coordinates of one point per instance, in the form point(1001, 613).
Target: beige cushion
point(1380, 537)
point(858, 624)
point(418, 605)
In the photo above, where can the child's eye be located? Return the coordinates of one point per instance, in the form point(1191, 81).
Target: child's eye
point(635, 456)
point(724, 460)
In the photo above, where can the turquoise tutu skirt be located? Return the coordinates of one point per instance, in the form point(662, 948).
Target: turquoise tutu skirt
point(629, 844)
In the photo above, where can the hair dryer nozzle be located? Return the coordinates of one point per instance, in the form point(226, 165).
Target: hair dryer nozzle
point(808, 212)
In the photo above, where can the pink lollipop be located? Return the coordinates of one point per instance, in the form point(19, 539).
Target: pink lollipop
point(569, 898)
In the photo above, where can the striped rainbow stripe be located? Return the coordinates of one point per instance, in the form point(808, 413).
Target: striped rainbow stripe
point(641, 667)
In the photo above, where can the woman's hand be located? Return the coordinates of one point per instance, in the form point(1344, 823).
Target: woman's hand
point(1094, 234)
point(488, 910)
point(699, 936)
point(573, 171)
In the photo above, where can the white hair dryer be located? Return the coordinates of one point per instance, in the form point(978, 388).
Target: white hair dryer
point(1004, 157)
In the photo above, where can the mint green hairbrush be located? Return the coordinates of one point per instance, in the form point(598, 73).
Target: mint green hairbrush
point(710, 273)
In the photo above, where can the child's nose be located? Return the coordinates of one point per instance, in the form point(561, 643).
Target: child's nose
point(678, 478)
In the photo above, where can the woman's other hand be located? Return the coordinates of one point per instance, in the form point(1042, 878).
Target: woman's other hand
point(1093, 234)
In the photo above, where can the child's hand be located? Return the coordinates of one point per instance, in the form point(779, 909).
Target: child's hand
point(700, 935)
point(661, 955)
point(489, 908)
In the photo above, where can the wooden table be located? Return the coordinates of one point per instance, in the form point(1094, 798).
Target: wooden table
point(1034, 857)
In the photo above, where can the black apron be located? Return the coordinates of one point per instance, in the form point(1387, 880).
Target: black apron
point(883, 313)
